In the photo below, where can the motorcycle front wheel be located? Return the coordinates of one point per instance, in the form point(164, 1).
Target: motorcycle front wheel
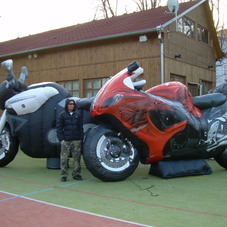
point(8, 146)
point(108, 156)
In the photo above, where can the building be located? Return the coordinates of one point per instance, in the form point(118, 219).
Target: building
point(169, 46)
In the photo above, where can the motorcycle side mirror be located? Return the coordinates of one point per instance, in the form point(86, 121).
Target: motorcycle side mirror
point(23, 75)
point(132, 67)
point(7, 65)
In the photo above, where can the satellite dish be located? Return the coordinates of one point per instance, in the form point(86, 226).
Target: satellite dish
point(173, 6)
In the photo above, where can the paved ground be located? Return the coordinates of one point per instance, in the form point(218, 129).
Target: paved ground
point(20, 211)
point(35, 196)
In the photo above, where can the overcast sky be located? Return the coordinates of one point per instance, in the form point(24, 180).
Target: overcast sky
point(19, 18)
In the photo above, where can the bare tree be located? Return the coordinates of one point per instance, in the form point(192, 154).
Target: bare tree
point(109, 8)
point(222, 37)
point(215, 8)
point(106, 9)
point(147, 4)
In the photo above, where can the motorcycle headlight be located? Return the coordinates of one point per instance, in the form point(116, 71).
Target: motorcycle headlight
point(112, 100)
point(117, 98)
point(96, 97)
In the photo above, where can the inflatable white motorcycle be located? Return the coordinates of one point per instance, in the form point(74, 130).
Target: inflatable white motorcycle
point(29, 116)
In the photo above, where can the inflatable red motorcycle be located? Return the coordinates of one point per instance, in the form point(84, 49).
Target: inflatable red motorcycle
point(163, 122)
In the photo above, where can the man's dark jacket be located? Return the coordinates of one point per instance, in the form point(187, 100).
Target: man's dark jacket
point(70, 127)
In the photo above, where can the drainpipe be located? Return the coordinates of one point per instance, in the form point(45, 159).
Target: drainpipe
point(159, 30)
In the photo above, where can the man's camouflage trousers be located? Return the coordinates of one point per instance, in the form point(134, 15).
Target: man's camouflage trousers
point(70, 147)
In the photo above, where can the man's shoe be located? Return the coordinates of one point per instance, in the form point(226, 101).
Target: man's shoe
point(77, 177)
point(63, 179)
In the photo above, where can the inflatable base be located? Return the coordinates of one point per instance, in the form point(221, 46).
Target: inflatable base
point(53, 163)
point(179, 168)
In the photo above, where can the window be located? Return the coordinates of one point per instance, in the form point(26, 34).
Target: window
point(71, 86)
point(206, 86)
point(193, 88)
point(174, 77)
point(186, 26)
point(92, 86)
point(202, 34)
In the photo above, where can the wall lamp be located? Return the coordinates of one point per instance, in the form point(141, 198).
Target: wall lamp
point(210, 66)
point(35, 55)
point(178, 56)
point(143, 38)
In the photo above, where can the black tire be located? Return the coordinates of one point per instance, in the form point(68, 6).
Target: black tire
point(8, 146)
point(221, 159)
point(108, 156)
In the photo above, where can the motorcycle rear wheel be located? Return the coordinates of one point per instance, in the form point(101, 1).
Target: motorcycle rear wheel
point(108, 156)
point(221, 159)
point(8, 146)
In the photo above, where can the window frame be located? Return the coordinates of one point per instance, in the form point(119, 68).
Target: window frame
point(71, 90)
point(182, 21)
point(200, 35)
point(206, 86)
point(175, 77)
point(93, 89)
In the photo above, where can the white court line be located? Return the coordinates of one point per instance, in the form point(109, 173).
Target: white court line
point(85, 212)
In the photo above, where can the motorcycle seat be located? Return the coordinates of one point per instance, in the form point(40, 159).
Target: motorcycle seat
point(84, 103)
point(209, 100)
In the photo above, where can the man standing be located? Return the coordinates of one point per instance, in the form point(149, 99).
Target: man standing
point(70, 134)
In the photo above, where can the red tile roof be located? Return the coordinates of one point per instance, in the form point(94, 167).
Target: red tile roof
point(120, 25)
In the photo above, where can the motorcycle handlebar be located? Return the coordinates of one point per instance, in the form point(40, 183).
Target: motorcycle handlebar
point(8, 67)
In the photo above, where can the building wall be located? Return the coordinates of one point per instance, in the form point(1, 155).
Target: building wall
point(195, 55)
point(92, 60)
point(107, 57)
